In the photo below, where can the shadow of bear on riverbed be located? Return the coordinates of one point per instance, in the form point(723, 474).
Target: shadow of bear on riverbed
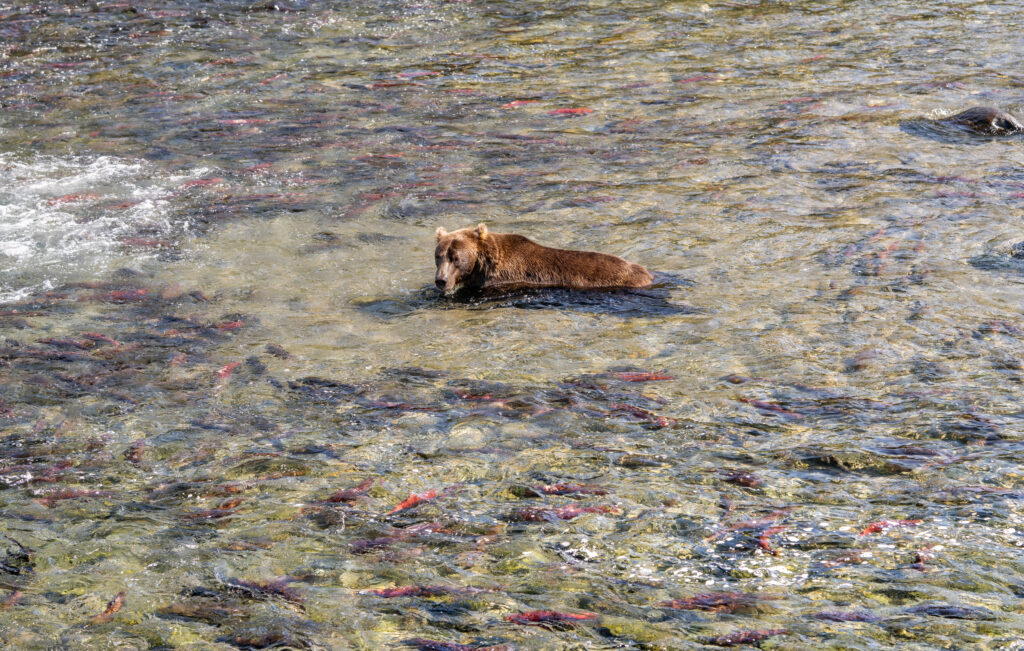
point(654, 300)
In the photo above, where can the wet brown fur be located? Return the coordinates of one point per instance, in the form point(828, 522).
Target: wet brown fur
point(476, 258)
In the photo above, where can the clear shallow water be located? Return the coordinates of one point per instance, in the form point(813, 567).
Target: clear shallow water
point(839, 317)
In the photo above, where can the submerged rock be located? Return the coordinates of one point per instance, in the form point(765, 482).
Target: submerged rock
point(986, 119)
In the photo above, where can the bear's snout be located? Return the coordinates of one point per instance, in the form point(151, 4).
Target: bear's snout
point(443, 279)
point(446, 276)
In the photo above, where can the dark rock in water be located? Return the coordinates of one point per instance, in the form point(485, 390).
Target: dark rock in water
point(1017, 251)
point(964, 127)
point(985, 119)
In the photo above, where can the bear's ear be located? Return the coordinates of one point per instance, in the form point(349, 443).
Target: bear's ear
point(481, 231)
point(440, 232)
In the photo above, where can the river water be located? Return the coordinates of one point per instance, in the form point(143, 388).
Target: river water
point(224, 370)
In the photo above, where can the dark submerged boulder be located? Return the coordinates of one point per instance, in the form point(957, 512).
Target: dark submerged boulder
point(985, 119)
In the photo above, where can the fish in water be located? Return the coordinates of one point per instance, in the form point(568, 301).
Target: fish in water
point(546, 618)
point(113, 606)
point(717, 602)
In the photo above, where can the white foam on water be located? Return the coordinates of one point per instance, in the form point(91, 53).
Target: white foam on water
point(60, 216)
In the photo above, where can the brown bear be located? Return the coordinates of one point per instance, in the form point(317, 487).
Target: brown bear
point(475, 258)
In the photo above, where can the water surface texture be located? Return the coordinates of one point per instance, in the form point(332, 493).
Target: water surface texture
point(234, 412)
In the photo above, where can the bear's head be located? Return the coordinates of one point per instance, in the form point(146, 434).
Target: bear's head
point(460, 258)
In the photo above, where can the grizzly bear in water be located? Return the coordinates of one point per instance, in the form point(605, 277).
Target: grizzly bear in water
point(475, 258)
